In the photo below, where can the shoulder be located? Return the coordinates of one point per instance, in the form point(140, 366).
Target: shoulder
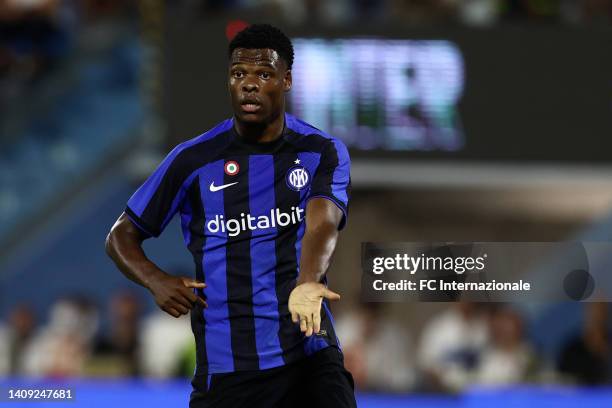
point(203, 148)
point(309, 137)
point(216, 134)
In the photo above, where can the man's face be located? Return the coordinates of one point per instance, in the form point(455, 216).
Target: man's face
point(258, 79)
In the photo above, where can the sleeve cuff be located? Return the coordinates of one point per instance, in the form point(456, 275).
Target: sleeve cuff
point(140, 224)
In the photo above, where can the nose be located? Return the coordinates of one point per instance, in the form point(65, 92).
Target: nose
point(249, 86)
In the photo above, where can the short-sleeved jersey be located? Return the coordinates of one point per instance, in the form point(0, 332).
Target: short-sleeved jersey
point(242, 207)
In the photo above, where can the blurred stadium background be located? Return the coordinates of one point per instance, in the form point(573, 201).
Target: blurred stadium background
point(475, 120)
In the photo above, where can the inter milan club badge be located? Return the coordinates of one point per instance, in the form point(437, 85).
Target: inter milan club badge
point(297, 177)
point(231, 168)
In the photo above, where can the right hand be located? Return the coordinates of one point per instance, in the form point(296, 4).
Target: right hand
point(174, 295)
point(305, 305)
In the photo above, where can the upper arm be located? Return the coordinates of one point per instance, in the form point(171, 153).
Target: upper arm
point(125, 227)
point(123, 232)
point(332, 179)
point(156, 201)
point(321, 212)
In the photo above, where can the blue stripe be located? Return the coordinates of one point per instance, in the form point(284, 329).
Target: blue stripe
point(299, 126)
point(178, 199)
point(217, 326)
point(341, 173)
point(140, 199)
point(313, 344)
point(263, 263)
point(186, 217)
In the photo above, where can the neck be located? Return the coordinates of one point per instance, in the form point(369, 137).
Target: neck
point(261, 132)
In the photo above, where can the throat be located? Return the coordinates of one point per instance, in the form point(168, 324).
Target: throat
point(259, 132)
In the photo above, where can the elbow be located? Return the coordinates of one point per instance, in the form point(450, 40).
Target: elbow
point(109, 246)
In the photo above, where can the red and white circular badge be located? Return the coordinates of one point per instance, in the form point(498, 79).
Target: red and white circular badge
point(231, 168)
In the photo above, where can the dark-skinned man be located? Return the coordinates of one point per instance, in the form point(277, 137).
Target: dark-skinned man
point(261, 198)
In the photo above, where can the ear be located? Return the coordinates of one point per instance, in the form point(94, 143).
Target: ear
point(287, 81)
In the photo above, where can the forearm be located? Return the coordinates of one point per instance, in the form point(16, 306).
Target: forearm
point(173, 294)
point(124, 247)
point(318, 246)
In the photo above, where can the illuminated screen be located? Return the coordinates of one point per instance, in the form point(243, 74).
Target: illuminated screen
point(381, 94)
point(507, 94)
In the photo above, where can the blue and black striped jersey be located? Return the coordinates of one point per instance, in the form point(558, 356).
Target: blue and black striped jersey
point(242, 208)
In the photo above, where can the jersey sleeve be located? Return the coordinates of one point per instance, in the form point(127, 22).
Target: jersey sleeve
point(156, 201)
point(332, 179)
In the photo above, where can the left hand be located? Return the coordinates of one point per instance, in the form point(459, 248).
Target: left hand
point(305, 305)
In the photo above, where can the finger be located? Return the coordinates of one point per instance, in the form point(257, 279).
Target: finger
point(303, 324)
point(190, 295)
point(310, 325)
point(194, 298)
point(316, 320)
point(294, 317)
point(172, 311)
point(328, 294)
point(191, 283)
point(180, 299)
point(182, 309)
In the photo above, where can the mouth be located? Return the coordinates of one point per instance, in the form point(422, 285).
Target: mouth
point(250, 105)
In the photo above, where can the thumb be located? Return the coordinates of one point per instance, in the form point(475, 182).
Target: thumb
point(328, 294)
point(192, 283)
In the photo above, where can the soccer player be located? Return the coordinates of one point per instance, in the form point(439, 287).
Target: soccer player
point(261, 197)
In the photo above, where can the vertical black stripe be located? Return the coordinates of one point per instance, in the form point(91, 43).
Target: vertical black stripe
point(286, 262)
point(324, 176)
point(239, 276)
point(196, 247)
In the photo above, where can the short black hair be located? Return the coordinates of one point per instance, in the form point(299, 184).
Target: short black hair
point(264, 36)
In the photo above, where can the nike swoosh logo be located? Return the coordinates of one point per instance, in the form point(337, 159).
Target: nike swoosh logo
point(214, 188)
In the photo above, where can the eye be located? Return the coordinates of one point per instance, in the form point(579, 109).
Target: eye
point(238, 74)
point(265, 75)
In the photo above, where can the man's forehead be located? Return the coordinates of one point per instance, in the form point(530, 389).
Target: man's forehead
point(258, 56)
